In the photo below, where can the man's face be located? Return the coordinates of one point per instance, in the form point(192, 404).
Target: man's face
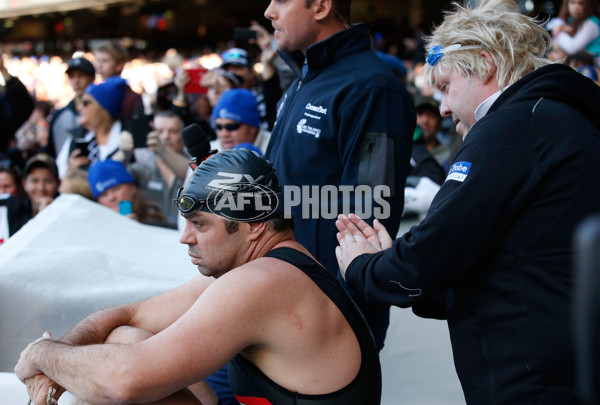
point(40, 183)
point(106, 66)
point(250, 80)
point(169, 129)
point(231, 133)
point(461, 95)
point(121, 192)
point(210, 247)
point(294, 24)
point(429, 122)
point(79, 81)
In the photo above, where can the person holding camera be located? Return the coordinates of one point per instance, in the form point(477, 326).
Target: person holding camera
point(99, 110)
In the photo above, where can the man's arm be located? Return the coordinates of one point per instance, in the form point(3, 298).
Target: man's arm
point(153, 314)
point(224, 320)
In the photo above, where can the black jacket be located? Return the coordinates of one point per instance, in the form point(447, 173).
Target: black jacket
point(348, 122)
point(497, 241)
point(16, 106)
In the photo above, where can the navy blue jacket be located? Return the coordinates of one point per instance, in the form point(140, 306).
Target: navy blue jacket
point(497, 240)
point(348, 122)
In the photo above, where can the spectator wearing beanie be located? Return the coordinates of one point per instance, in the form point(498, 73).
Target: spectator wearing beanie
point(99, 109)
point(114, 187)
point(236, 120)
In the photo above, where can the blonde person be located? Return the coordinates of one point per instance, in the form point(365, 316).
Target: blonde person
point(76, 182)
point(494, 254)
point(99, 109)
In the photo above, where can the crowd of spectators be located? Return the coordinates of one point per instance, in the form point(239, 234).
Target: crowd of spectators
point(190, 88)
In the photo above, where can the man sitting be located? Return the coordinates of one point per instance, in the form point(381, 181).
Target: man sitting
point(293, 333)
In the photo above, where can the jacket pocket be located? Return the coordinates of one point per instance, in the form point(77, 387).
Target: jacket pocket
point(377, 166)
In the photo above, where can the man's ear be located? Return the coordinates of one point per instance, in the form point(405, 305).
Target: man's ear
point(488, 57)
point(256, 229)
point(322, 9)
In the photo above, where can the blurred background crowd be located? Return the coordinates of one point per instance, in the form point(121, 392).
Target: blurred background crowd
point(94, 101)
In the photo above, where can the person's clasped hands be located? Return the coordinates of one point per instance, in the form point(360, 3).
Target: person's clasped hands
point(38, 385)
point(356, 237)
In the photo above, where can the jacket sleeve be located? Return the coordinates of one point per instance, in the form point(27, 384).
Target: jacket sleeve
point(464, 226)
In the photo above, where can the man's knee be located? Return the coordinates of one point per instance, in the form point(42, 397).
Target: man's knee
point(127, 334)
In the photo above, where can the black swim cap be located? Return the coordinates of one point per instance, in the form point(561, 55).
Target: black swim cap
point(237, 184)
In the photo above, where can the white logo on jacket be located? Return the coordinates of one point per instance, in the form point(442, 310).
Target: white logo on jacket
point(302, 128)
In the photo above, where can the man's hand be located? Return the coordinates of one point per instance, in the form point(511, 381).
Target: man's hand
point(24, 368)
point(38, 386)
point(356, 237)
point(153, 142)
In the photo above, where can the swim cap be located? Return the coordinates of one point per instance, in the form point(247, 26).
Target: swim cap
point(237, 184)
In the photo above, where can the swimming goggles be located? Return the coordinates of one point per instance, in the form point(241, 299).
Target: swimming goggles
point(187, 203)
point(436, 52)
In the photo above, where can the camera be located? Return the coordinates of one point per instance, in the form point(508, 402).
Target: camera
point(240, 33)
point(83, 145)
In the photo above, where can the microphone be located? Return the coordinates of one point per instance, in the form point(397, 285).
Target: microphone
point(197, 144)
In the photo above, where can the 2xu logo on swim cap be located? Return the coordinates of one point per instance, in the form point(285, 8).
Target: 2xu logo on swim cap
point(250, 203)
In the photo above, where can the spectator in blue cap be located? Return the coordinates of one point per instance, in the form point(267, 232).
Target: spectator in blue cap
point(99, 109)
point(114, 187)
point(236, 120)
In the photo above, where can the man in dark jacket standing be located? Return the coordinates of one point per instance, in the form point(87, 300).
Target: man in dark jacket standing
point(345, 122)
point(496, 244)
point(16, 106)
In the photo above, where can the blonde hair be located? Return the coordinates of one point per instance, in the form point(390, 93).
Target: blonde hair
point(517, 43)
point(76, 182)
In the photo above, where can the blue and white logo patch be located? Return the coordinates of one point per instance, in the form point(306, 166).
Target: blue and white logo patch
point(459, 171)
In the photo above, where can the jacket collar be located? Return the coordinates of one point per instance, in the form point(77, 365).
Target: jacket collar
point(336, 46)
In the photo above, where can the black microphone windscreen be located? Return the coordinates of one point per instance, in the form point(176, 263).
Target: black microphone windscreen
point(196, 141)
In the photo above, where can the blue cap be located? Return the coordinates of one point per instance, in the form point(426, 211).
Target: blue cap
point(105, 174)
point(109, 94)
point(235, 56)
point(250, 146)
point(238, 105)
point(588, 71)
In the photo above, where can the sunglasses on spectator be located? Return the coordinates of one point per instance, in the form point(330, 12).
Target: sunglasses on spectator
point(187, 203)
point(436, 52)
point(234, 126)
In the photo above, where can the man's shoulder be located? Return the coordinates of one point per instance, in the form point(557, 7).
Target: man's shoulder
point(263, 272)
